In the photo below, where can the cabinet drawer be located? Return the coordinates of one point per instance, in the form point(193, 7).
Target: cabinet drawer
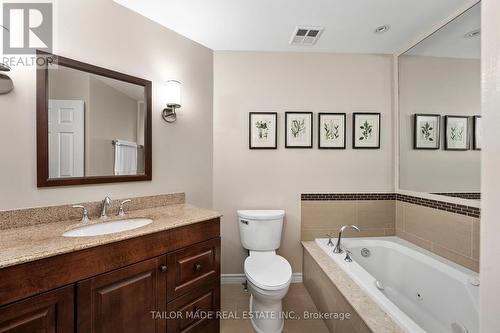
point(195, 312)
point(193, 267)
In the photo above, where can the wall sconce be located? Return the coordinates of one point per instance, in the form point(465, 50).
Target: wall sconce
point(173, 91)
point(6, 84)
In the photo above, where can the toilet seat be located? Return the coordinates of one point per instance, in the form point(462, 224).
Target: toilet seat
point(268, 271)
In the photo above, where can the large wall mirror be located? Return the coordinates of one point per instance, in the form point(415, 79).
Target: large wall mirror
point(440, 111)
point(93, 124)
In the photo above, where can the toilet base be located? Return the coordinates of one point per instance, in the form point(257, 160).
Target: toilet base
point(266, 317)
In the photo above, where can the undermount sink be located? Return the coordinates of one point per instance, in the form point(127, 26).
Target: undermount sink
point(106, 228)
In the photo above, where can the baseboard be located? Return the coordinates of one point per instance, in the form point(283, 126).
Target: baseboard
point(240, 278)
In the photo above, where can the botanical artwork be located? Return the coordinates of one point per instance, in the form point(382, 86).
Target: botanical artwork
point(457, 133)
point(332, 130)
point(478, 133)
point(366, 130)
point(427, 131)
point(263, 127)
point(298, 129)
point(262, 131)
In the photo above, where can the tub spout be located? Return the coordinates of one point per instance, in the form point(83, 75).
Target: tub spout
point(338, 246)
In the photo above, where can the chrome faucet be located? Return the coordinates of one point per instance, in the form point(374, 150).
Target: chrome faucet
point(338, 246)
point(121, 211)
point(106, 203)
point(85, 213)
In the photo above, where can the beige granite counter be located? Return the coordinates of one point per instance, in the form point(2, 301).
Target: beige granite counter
point(375, 319)
point(33, 242)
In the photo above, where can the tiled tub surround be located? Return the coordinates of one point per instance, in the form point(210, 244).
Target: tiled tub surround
point(28, 243)
point(41, 215)
point(448, 230)
point(333, 291)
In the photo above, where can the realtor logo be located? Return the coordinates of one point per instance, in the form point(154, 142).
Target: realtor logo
point(27, 27)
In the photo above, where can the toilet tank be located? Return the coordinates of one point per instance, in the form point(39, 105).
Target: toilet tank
point(260, 230)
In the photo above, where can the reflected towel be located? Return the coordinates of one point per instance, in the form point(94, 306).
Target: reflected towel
point(125, 157)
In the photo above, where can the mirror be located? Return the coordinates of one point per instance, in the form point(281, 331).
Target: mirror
point(93, 125)
point(440, 109)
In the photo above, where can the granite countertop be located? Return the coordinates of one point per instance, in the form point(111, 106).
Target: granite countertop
point(370, 312)
point(25, 244)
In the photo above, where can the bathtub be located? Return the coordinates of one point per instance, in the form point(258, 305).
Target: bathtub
point(419, 290)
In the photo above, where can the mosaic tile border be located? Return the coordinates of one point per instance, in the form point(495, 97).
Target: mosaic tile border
point(463, 195)
point(441, 205)
point(347, 196)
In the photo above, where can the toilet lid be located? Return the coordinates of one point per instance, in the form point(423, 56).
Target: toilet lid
point(269, 272)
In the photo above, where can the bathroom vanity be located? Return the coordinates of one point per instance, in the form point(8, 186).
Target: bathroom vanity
point(158, 278)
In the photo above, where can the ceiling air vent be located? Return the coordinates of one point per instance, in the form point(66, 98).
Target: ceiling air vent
point(306, 35)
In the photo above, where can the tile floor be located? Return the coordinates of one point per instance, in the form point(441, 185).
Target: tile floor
point(233, 298)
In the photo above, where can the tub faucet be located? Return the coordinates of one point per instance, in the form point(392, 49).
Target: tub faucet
point(338, 246)
point(106, 203)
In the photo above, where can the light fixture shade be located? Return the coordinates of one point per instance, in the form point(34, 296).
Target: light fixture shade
point(173, 91)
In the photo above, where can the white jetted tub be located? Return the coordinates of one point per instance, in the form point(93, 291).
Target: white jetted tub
point(421, 291)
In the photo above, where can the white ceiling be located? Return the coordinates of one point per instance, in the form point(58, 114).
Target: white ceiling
point(267, 25)
point(449, 41)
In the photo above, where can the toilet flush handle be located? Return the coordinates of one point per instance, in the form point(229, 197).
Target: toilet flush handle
point(244, 222)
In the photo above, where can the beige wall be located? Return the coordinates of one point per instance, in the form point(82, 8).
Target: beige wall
point(102, 33)
point(452, 236)
point(490, 228)
point(253, 179)
point(374, 218)
point(445, 86)
point(113, 115)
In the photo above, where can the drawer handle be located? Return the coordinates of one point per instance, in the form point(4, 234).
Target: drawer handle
point(197, 267)
point(163, 268)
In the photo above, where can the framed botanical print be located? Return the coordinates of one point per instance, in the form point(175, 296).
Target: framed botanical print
point(457, 133)
point(426, 131)
point(478, 133)
point(366, 130)
point(331, 130)
point(298, 129)
point(263, 129)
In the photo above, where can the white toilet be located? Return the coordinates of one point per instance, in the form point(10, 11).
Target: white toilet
point(268, 274)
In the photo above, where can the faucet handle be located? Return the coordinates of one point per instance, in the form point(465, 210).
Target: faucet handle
point(330, 243)
point(348, 256)
point(85, 213)
point(121, 211)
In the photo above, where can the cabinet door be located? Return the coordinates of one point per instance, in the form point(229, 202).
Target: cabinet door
point(195, 312)
point(50, 312)
point(193, 267)
point(124, 300)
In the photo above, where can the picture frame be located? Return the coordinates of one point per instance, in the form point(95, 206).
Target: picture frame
point(298, 129)
point(366, 130)
point(263, 130)
point(457, 133)
point(427, 131)
point(331, 130)
point(478, 133)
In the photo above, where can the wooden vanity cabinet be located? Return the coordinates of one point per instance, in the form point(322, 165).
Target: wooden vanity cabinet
point(140, 284)
point(50, 312)
point(124, 300)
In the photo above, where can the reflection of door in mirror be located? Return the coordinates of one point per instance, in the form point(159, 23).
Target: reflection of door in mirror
point(66, 138)
point(100, 125)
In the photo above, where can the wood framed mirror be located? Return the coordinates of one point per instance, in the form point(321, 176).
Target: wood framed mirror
point(93, 124)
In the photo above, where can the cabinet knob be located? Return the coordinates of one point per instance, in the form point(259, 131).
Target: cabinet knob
point(197, 267)
point(163, 268)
